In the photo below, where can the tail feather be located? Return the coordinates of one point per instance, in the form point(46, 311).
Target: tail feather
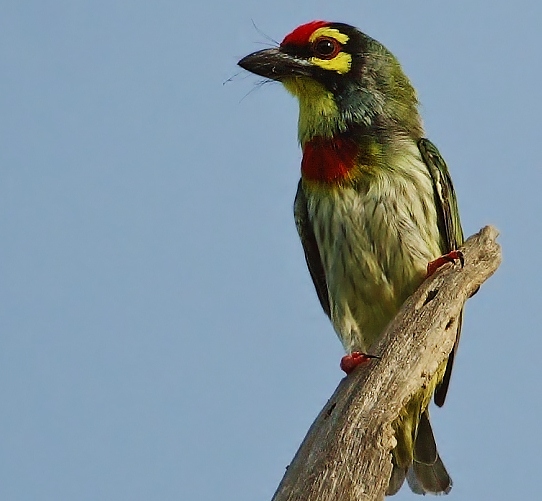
point(397, 478)
point(427, 473)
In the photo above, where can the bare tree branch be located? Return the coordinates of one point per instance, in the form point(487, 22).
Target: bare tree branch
point(346, 453)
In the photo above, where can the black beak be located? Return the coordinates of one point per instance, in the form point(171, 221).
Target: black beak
point(275, 64)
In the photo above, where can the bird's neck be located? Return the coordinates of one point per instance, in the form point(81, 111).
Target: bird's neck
point(356, 111)
point(344, 140)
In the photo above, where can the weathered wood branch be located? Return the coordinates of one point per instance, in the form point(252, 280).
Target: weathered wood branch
point(346, 453)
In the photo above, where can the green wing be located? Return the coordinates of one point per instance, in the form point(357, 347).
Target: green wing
point(310, 246)
point(450, 230)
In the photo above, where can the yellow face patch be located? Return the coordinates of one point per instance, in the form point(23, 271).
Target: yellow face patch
point(342, 62)
point(331, 33)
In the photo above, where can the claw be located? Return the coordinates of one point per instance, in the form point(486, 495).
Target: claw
point(350, 362)
point(447, 258)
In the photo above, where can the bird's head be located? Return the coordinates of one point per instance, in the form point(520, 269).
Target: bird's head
point(344, 80)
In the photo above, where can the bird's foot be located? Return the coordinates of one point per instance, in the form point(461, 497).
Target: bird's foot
point(447, 258)
point(350, 362)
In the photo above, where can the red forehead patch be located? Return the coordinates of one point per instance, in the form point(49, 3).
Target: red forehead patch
point(301, 35)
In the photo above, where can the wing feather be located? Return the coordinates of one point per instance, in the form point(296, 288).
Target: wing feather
point(450, 230)
point(310, 246)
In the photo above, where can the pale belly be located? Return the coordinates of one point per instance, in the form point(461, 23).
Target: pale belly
point(374, 246)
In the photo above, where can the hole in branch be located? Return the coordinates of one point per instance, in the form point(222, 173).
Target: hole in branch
point(430, 296)
point(331, 409)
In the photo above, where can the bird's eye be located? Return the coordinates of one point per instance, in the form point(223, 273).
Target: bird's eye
point(326, 48)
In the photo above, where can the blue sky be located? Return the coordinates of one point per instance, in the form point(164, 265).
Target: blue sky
point(160, 336)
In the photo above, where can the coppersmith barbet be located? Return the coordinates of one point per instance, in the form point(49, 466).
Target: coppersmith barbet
point(375, 205)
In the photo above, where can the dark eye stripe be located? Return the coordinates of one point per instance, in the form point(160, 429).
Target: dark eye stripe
point(303, 51)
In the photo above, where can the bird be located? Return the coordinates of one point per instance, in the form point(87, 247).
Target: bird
point(375, 207)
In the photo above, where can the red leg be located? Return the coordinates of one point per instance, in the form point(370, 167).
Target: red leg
point(350, 362)
point(447, 258)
